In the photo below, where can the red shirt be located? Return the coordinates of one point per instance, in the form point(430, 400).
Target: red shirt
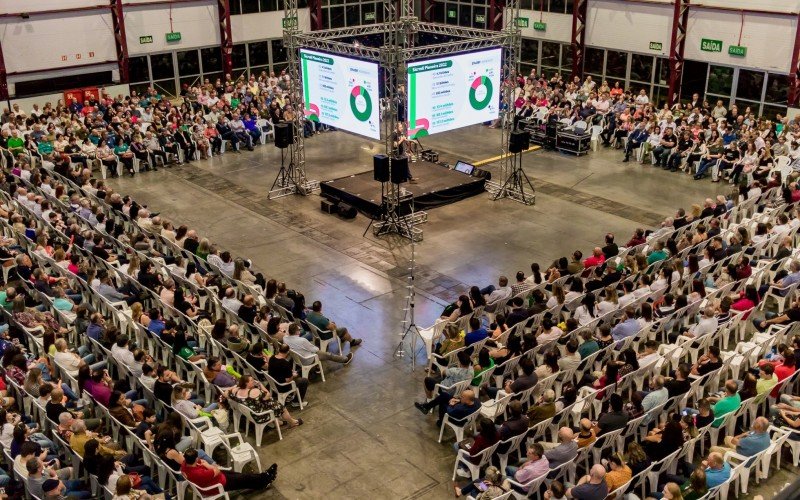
point(593, 261)
point(782, 372)
point(202, 476)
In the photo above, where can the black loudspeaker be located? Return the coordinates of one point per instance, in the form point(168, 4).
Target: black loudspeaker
point(328, 206)
point(519, 141)
point(347, 211)
point(284, 134)
point(399, 169)
point(380, 165)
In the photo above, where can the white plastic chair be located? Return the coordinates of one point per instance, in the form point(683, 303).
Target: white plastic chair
point(241, 410)
point(483, 458)
point(594, 142)
point(458, 426)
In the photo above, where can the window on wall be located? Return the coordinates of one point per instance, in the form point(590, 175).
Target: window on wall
point(750, 85)
point(162, 67)
point(550, 55)
point(239, 56)
point(188, 62)
point(720, 80)
point(641, 68)
point(530, 51)
point(138, 70)
point(616, 64)
point(777, 91)
point(593, 61)
point(278, 52)
point(348, 13)
point(212, 60)
point(254, 6)
point(258, 53)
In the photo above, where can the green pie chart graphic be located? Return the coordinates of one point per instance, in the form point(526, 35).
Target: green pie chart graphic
point(473, 98)
point(360, 115)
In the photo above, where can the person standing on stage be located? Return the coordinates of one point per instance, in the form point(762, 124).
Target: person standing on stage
point(402, 144)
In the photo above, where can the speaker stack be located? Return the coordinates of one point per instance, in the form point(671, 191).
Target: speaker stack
point(399, 169)
point(519, 141)
point(380, 168)
point(284, 134)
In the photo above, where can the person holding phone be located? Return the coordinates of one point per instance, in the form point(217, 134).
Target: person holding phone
point(492, 485)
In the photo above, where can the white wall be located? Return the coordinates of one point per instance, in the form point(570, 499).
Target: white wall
point(39, 5)
point(47, 41)
point(771, 5)
point(769, 38)
point(196, 22)
point(613, 25)
point(263, 25)
point(559, 26)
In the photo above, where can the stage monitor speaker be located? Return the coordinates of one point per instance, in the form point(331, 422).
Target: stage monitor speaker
point(284, 134)
point(328, 206)
point(519, 141)
point(399, 169)
point(380, 166)
point(347, 211)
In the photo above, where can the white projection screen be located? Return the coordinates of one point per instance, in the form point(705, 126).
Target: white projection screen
point(453, 92)
point(341, 92)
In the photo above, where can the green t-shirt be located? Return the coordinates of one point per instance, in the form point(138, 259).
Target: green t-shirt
point(45, 147)
point(656, 256)
point(62, 304)
point(234, 103)
point(725, 406)
point(186, 352)
point(121, 148)
point(476, 381)
point(15, 143)
point(4, 302)
point(588, 348)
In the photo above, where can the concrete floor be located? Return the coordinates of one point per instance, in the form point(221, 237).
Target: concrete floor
point(362, 436)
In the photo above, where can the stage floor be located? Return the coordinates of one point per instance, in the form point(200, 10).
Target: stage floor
point(436, 186)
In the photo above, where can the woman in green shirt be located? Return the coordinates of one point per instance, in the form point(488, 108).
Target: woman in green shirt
point(484, 364)
point(181, 348)
point(125, 155)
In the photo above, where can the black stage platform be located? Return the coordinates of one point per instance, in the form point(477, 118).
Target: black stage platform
point(437, 186)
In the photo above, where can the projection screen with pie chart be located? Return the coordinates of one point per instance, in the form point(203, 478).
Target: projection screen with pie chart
point(341, 92)
point(452, 92)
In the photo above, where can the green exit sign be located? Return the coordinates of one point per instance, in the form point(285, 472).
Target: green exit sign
point(737, 50)
point(289, 22)
point(709, 45)
point(656, 46)
point(538, 26)
point(175, 36)
point(451, 14)
point(523, 22)
point(369, 16)
point(480, 18)
point(146, 39)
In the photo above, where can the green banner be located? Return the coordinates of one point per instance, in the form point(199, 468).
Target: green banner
point(708, 45)
point(429, 67)
point(304, 76)
point(316, 58)
point(737, 50)
point(412, 93)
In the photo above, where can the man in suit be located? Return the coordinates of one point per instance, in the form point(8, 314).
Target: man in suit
point(227, 134)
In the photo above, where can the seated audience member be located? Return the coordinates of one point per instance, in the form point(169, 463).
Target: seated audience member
point(326, 326)
point(307, 350)
point(747, 443)
point(592, 486)
point(534, 467)
point(205, 475)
